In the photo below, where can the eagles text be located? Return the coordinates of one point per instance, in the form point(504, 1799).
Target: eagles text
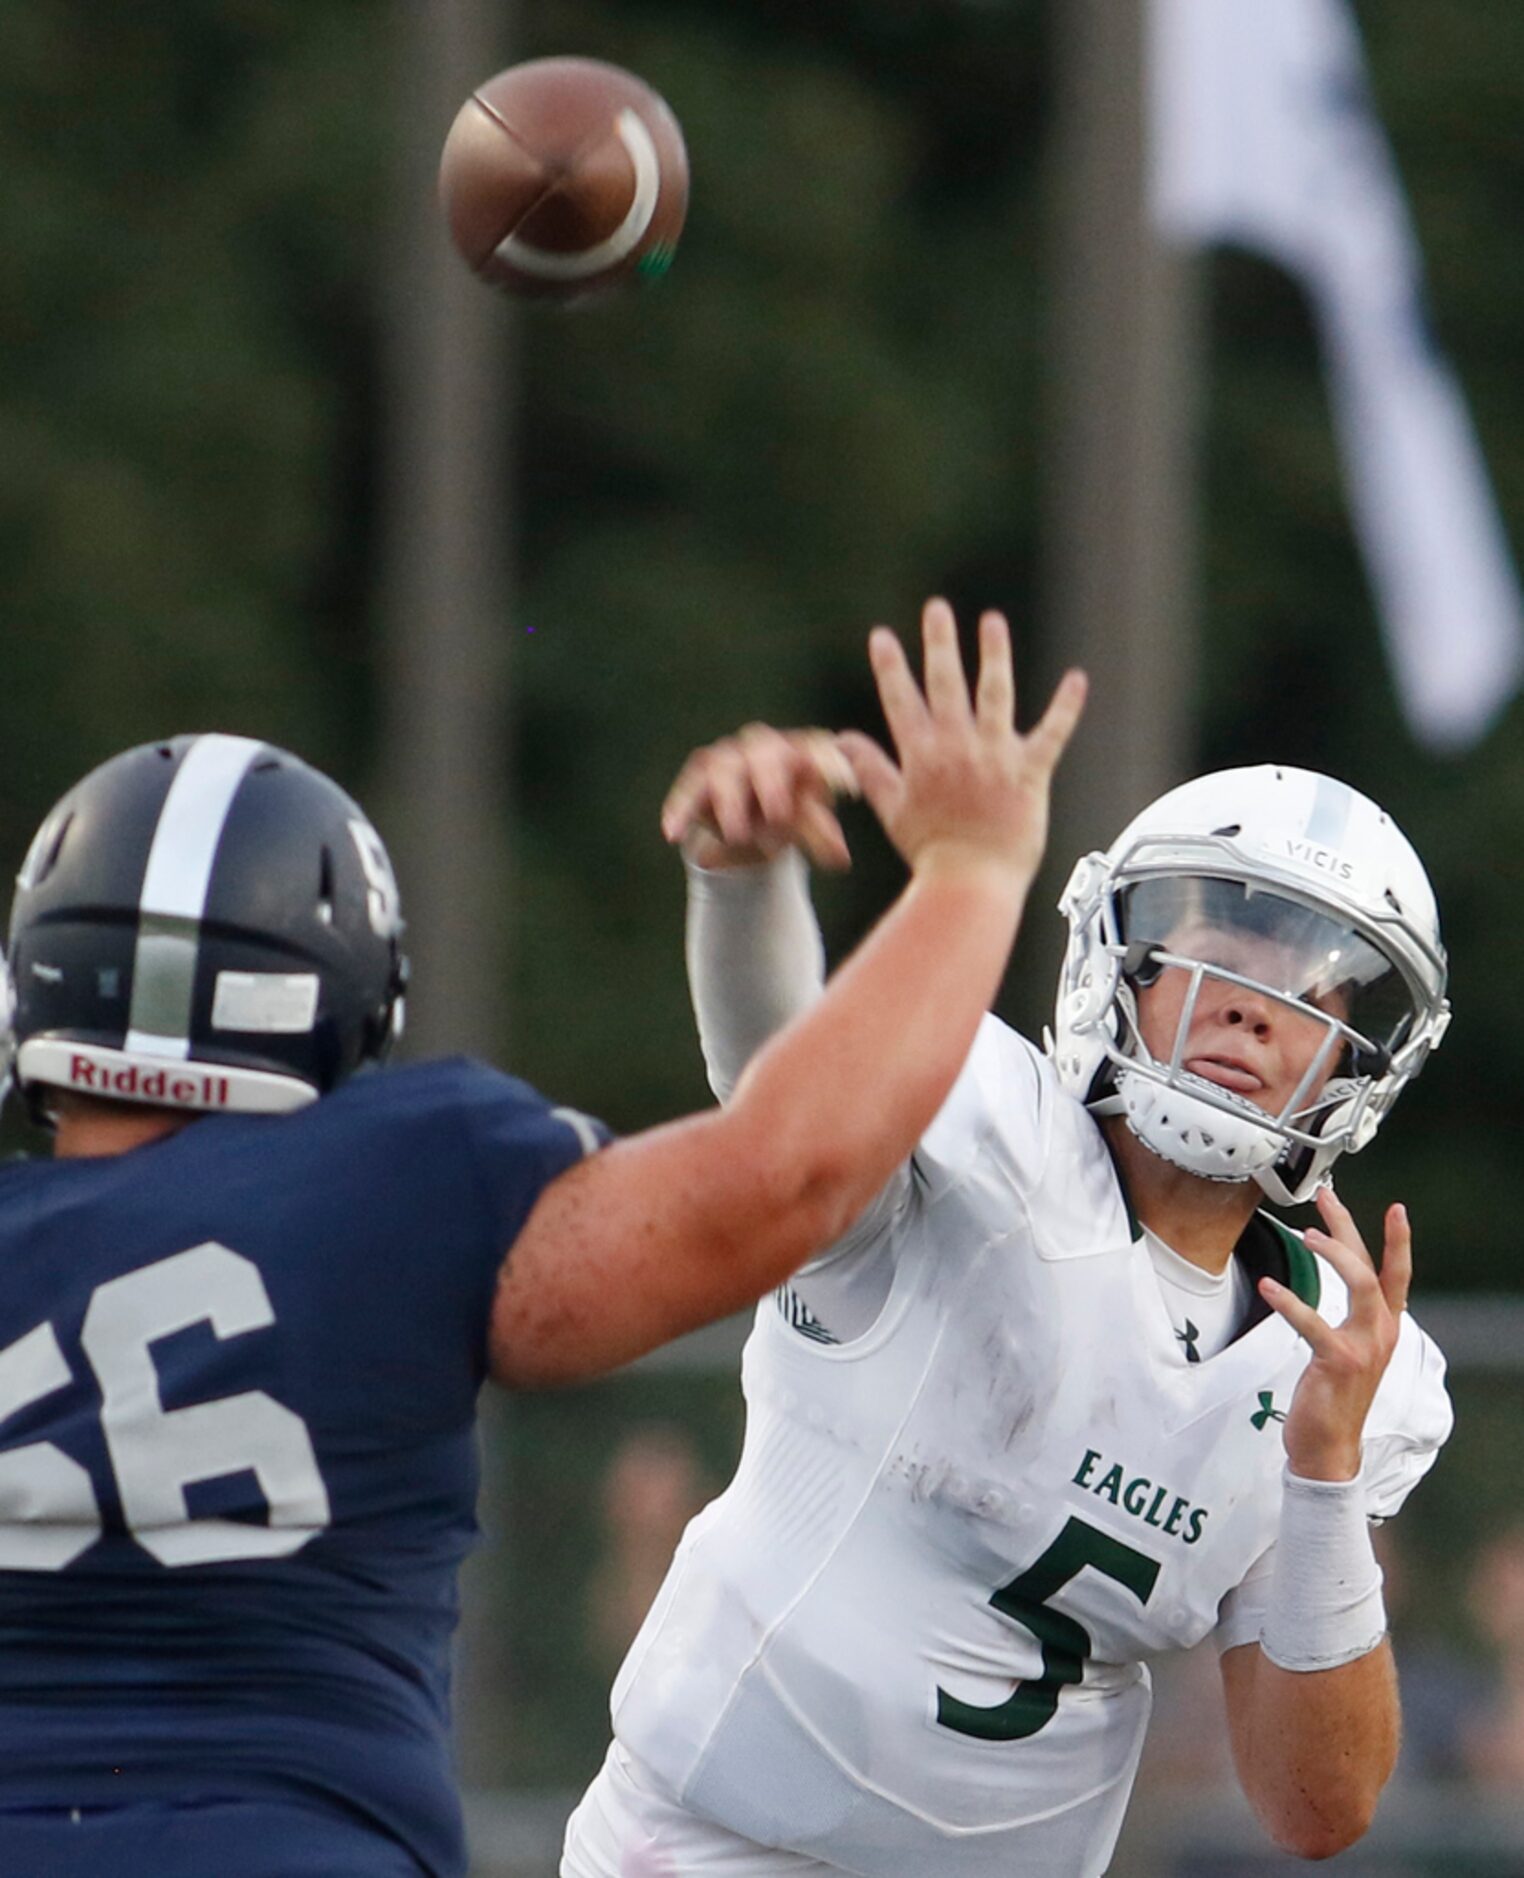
point(1143, 1498)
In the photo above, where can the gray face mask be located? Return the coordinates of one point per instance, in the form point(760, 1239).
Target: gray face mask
point(1261, 937)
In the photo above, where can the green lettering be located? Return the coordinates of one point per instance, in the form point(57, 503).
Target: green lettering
point(1176, 1514)
point(1110, 1484)
point(1158, 1501)
point(1087, 1467)
point(1193, 1530)
point(1135, 1493)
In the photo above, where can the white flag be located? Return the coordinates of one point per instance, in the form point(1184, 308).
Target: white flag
point(1263, 134)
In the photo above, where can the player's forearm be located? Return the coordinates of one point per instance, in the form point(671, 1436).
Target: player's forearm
point(690, 1222)
point(1313, 1706)
point(754, 956)
point(841, 1097)
point(1314, 1750)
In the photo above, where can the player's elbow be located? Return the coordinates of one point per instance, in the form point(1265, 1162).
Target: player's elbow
point(1318, 1844)
point(812, 1202)
point(1315, 1833)
point(806, 1191)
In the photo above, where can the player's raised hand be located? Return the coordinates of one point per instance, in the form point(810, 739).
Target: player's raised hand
point(748, 797)
point(1326, 1419)
point(967, 786)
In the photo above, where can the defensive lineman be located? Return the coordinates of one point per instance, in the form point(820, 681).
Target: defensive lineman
point(1064, 1396)
point(239, 1359)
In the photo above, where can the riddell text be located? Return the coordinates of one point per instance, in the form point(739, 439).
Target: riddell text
point(155, 1085)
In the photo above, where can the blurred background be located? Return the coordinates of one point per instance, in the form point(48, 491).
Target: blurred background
point(271, 462)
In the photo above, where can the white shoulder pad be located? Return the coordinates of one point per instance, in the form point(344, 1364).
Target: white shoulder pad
point(1409, 1421)
point(1411, 1417)
point(1001, 1104)
point(996, 1110)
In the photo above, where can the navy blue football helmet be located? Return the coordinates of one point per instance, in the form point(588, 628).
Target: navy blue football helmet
point(206, 923)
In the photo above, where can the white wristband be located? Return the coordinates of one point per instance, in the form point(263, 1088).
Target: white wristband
point(1325, 1605)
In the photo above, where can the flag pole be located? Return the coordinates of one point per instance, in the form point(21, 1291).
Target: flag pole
point(1120, 420)
point(445, 605)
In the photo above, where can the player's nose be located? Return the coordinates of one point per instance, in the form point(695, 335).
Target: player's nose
point(1249, 1010)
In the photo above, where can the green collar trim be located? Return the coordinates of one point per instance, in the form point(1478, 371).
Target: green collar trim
point(1302, 1275)
point(1267, 1248)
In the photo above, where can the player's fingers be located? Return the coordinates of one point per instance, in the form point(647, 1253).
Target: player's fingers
point(732, 801)
point(898, 693)
point(1368, 1315)
point(995, 693)
point(819, 768)
point(775, 766)
point(819, 833)
point(946, 685)
point(881, 783)
point(1049, 736)
point(830, 764)
point(1397, 1259)
point(680, 809)
point(1337, 1218)
point(1303, 1319)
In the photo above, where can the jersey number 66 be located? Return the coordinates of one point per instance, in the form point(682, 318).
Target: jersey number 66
point(49, 1512)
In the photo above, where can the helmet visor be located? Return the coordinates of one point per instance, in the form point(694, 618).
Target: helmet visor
point(1262, 936)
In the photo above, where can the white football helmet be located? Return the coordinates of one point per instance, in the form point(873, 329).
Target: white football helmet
point(1294, 887)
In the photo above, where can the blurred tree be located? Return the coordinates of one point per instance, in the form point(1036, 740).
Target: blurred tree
point(728, 479)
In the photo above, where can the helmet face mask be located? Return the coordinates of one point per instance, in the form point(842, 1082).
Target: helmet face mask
point(205, 923)
point(1281, 886)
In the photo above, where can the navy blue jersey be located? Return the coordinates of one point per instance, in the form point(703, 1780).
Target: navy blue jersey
point(238, 1380)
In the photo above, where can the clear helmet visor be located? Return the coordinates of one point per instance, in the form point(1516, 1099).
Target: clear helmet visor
point(1259, 936)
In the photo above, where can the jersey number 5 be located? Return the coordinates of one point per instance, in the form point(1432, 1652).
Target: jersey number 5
point(1065, 1643)
point(49, 1513)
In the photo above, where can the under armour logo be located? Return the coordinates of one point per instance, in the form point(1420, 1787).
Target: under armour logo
point(1188, 1337)
point(1267, 1411)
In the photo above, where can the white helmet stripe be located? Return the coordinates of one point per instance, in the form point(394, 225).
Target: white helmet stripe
point(1332, 804)
point(175, 887)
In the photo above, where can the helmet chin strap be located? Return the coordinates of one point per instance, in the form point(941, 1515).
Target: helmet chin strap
point(1195, 1135)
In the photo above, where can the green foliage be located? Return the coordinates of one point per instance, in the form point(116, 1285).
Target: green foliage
point(170, 423)
point(726, 479)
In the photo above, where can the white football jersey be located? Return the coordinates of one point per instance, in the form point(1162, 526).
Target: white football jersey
point(910, 1636)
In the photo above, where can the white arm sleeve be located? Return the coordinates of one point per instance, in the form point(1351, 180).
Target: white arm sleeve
point(755, 959)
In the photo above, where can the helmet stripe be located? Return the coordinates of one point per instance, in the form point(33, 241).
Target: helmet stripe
point(1332, 804)
point(175, 886)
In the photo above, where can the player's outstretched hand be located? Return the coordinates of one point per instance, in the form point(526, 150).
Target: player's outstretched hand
point(967, 788)
point(748, 797)
point(1326, 1419)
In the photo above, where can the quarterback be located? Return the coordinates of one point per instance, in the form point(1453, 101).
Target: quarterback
point(1064, 1395)
point(247, 1305)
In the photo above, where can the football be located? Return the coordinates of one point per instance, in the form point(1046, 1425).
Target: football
point(561, 177)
